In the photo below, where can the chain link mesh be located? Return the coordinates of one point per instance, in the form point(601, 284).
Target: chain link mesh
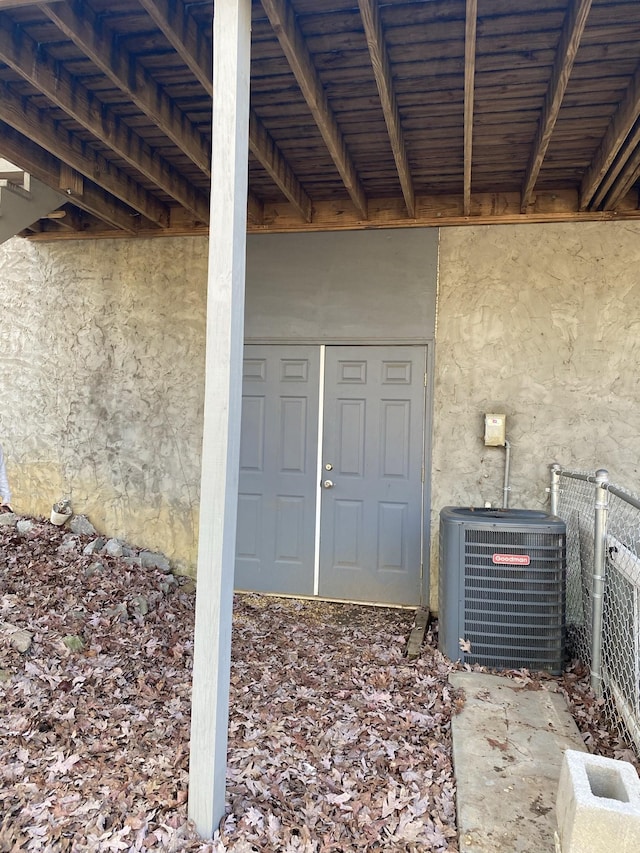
point(621, 613)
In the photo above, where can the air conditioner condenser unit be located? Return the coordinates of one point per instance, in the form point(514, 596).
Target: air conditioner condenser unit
point(502, 588)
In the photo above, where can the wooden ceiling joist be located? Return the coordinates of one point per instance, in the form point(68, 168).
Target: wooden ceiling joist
point(626, 178)
point(620, 166)
point(370, 13)
point(619, 128)
point(26, 58)
point(46, 168)
point(106, 50)
point(182, 33)
point(570, 37)
point(285, 26)
point(471, 22)
point(367, 114)
point(36, 125)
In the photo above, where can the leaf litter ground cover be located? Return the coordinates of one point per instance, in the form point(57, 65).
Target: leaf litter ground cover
point(337, 742)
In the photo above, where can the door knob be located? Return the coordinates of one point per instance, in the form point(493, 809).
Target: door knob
point(328, 484)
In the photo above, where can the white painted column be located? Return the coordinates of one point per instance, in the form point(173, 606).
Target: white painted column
point(222, 409)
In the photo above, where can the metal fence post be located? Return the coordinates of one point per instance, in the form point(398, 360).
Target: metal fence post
point(599, 568)
point(555, 487)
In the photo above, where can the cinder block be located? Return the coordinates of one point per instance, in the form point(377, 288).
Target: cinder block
point(598, 805)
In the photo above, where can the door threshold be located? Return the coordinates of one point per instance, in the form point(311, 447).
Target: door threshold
point(327, 600)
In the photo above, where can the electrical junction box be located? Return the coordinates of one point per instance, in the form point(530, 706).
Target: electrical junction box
point(495, 430)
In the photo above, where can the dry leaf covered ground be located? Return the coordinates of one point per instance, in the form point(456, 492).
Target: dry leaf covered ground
point(337, 741)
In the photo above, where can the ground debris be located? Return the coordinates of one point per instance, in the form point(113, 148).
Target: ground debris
point(337, 741)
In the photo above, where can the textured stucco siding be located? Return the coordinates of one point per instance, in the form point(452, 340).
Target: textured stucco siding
point(102, 359)
point(541, 322)
point(101, 368)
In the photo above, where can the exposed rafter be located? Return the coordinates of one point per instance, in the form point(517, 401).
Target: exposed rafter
point(471, 21)
point(570, 37)
point(619, 166)
point(626, 178)
point(181, 32)
point(370, 14)
point(46, 168)
point(105, 49)
point(23, 55)
point(36, 125)
point(282, 18)
point(619, 128)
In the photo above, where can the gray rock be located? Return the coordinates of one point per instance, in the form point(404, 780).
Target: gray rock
point(128, 552)
point(133, 561)
point(154, 560)
point(18, 638)
point(93, 569)
point(94, 546)
point(8, 519)
point(141, 604)
point(113, 548)
point(24, 526)
point(73, 642)
point(80, 524)
point(69, 543)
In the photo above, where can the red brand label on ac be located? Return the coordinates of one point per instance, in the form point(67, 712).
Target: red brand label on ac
point(511, 559)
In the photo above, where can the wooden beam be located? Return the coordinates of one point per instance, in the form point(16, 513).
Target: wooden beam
point(619, 128)
point(285, 26)
point(104, 48)
point(181, 31)
point(222, 413)
point(26, 58)
point(626, 178)
point(370, 13)
point(36, 125)
point(471, 22)
point(618, 167)
point(44, 166)
point(570, 37)
point(270, 158)
point(15, 4)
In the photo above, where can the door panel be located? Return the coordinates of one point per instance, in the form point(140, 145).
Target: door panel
point(371, 518)
point(278, 457)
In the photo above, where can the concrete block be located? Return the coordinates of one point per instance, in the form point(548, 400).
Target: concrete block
point(598, 805)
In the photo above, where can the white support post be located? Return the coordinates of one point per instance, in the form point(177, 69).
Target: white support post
point(222, 409)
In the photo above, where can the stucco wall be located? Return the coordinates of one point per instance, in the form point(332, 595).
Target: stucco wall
point(102, 358)
point(101, 365)
point(541, 322)
point(102, 354)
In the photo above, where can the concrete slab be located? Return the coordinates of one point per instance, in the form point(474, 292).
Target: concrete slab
point(508, 746)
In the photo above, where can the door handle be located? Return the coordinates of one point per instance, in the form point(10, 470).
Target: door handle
point(327, 484)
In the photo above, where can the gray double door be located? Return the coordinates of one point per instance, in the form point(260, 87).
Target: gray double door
point(331, 461)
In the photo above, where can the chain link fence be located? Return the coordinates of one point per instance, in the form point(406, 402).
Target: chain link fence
point(603, 588)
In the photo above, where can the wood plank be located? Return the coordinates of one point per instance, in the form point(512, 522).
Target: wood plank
point(382, 70)
point(282, 18)
point(103, 45)
point(619, 165)
point(570, 37)
point(46, 168)
point(183, 33)
point(222, 413)
point(38, 126)
point(471, 21)
point(488, 208)
point(624, 181)
point(623, 120)
point(180, 30)
point(33, 64)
